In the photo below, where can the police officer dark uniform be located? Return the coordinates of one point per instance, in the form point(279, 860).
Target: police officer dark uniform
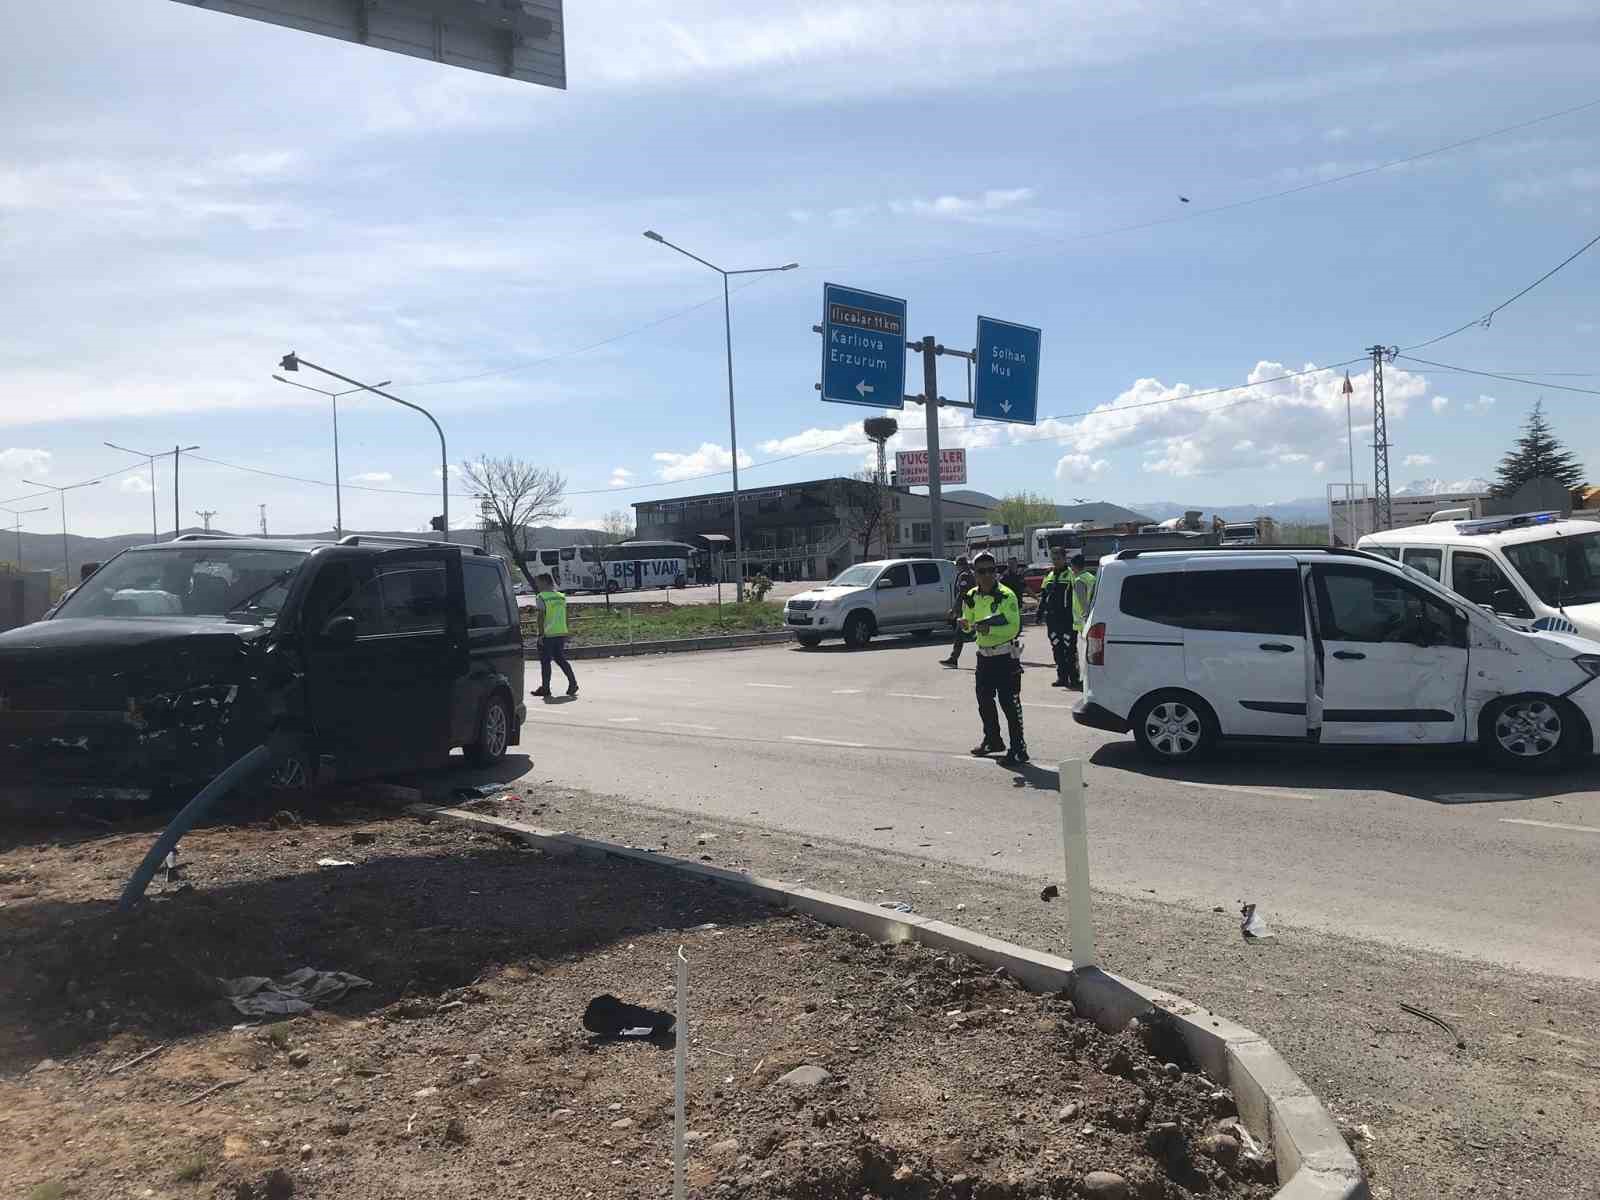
point(993, 613)
point(1055, 614)
point(965, 581)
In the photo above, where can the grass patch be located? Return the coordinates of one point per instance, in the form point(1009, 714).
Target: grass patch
point(595, 625)
point(192, 1169)
point(54, 1190)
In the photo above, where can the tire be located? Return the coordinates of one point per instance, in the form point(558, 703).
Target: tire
point(1174, 727)
point(494, 732)
point(857, 630)
point(809, 640)
point(1530, 732)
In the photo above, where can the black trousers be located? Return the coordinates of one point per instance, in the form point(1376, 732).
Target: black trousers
point(1064, 646)
point(554, 650)
point(1000, 678)
point(961, 640)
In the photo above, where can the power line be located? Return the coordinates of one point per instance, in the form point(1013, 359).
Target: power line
point(1489, 316)
point(1533, 383)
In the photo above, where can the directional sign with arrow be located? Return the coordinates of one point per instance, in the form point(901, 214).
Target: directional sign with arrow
point(1006, 372)
point(863, 348)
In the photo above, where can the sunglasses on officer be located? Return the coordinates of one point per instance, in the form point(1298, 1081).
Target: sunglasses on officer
point(985, 570)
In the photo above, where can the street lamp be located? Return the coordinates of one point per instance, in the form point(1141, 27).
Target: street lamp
point(176, 452)
point(66, 566)
point(733, 433)
point(338, 498)
point(16, 517)
point(293, 362)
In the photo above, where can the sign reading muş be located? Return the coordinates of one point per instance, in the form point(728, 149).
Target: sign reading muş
point(863, 348)
point(911, 467)
point(1006, 379)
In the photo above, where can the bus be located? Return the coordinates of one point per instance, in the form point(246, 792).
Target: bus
point(625, 566)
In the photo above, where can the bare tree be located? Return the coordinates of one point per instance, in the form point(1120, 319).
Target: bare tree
point(867, 508)
point(617, 525)
point(517, 495)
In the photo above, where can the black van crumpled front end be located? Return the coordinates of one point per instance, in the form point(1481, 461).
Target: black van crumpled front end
point(126, 708)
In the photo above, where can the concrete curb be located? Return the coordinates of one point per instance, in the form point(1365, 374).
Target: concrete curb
point(1314, 1163)
point(726, 641)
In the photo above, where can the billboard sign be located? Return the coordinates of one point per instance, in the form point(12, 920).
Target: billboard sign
point(520, 39)
point(911, 467)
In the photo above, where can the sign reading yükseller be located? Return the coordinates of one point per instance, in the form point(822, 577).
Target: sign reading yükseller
point(1006, 386)
point(911, 467)
point(863, 348)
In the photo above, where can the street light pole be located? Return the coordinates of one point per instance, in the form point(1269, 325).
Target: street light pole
point(733, 430)
point(155, 532)
point(66, 565)
point(293, 362)
point(338, 494)
point(16, 515)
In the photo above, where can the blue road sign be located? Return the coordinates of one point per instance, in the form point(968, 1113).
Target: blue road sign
point(1006, 387)
point(863, 348)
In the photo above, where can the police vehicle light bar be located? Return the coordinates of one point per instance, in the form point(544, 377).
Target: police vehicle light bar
point(1496, 524)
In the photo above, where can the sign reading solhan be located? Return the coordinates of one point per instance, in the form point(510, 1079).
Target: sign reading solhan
point(911, 467)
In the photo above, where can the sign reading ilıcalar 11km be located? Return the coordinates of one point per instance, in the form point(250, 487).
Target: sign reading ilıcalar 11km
point(863, 348)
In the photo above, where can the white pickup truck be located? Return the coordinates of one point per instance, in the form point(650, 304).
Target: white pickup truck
point(897, 595)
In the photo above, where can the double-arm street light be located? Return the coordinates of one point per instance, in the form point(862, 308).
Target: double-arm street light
point(733, 431)
point(293, 362)
point(338, 499)
point(66, 567)
point(16, 523)
point(177, 452)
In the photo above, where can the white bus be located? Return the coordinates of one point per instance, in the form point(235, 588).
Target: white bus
point(626, 566)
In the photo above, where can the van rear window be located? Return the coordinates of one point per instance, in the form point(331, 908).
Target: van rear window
point(1246, 601)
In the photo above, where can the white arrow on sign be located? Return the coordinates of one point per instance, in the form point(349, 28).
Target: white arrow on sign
point(1005, 406)
point(863, 388)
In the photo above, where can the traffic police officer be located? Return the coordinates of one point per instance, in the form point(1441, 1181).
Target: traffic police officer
point(965, 581)
point(993, 614)
point(1055, 614)
point(1083, 585)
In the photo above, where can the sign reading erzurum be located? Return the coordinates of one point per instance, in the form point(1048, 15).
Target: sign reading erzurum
point(911, 467)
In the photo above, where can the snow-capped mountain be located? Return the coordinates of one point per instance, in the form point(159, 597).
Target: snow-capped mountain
point(1436, 487)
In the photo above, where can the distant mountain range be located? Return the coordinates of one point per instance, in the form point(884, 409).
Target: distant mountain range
point(1101, 512)
point(1311, 509)
point(42, 551)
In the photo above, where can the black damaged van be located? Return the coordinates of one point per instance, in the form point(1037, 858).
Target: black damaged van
point(368, 656)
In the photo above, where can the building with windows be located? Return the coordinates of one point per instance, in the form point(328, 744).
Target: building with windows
point(808, 530)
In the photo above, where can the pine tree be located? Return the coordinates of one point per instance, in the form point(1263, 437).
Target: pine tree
point(1538, 453)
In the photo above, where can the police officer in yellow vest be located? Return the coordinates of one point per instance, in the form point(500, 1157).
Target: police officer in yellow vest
point(553, 637)
point(1055, 614)
point(1083, 585)
point(992, 612)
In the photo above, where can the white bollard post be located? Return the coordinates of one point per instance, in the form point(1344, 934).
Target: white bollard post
point(1075, 844)
point(679, 1184)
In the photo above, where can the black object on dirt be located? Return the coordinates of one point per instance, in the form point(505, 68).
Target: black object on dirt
point(1049, 893)
point(610, 1017)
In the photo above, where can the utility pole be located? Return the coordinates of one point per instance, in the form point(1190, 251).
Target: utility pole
point(176, 451)
point(205, 514)
point(931, 403)
point(263, 509)
point(1382, 507)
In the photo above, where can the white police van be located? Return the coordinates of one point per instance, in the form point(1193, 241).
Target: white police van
point(1533, 570)
point(1189, 647)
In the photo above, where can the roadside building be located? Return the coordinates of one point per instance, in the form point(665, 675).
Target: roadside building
point(807, 530)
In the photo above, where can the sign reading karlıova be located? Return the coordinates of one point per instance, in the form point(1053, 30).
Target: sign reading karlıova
point(863, 348)
point(1006, 380)
point(911, 467)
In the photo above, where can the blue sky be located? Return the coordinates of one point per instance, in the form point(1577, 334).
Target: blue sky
point(185, 196)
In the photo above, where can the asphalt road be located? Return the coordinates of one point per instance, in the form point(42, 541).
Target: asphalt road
point(1426, 849)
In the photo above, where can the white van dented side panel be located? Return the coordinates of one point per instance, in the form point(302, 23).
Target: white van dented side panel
point(1504, 662)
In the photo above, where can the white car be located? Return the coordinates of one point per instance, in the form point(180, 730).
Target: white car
point(897, 595)
point(1189, 647)
point(1533, 570)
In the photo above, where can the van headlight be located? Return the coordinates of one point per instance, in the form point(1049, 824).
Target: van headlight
point(1589, 662)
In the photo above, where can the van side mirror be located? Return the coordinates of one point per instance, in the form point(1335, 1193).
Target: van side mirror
point(340, 630)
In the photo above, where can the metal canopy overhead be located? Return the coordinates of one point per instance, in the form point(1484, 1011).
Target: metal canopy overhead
point(521, 39)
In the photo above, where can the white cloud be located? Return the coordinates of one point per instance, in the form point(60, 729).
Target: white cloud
point(989, 200)
point(1080, 468)
point(1440, 403)
point(135, 485)
point(1418, 460)
point(378, 477)
point(1578, 180)
point(1319, 466)
point(19, 461)
point(1284, 422)
point(620, 476)
point(847, 439)
point(709, 457)
point(455, 472)
point(1337, 134)
point(1481, 404)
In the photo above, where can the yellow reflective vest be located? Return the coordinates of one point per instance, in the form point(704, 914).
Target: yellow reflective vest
point(554, 606)
point(1082, 598)
point(976, 606)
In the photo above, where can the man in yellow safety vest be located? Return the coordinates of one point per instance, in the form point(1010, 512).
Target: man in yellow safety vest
point(552, 636)
point(992, 613)
point(1055, 614)
point(1083, 585)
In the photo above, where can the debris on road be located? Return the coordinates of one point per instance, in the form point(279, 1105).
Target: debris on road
point(297, 992)
point(1461, 1042)
point(334, 862)
point(134, 1062)
point(896, 906)
point(1252, 924)
point(1049, 893)
point(610, 1017)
